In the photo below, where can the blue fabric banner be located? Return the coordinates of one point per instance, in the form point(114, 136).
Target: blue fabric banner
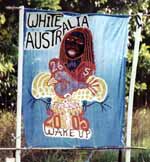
point(74, 79)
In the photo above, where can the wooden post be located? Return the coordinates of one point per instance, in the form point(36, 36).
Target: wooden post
point(132, 84)
point(19, 86)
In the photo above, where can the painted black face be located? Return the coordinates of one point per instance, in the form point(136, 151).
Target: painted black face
point(74, 45)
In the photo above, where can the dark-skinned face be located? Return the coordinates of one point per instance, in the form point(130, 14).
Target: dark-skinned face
point(74, 45)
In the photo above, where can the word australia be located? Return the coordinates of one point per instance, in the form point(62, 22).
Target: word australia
point(45, 30)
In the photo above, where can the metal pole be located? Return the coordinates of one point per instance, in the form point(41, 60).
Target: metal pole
point(120, 156)
point(132, 84)
point(90, 156)
point(19, 86)
point(65, 148)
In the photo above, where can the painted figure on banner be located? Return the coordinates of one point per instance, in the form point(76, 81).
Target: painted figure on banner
point(71, 81)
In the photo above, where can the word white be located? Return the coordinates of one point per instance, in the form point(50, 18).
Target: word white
point(45, 30)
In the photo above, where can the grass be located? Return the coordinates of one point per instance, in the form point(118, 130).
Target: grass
point(140, 137)
point(7, 130)
point(140, 156)
point(141, 128)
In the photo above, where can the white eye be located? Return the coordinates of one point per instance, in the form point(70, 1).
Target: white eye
point(80, 42)
point(70, 39)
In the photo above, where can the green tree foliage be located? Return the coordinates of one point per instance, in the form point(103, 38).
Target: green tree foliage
point(8, 56)
point(48, 4)
point(9, 41)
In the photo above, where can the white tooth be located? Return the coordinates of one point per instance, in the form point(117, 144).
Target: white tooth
point(71, 52)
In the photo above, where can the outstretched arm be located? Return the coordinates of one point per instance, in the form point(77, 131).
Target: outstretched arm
point(41, 87)
point(96, 91)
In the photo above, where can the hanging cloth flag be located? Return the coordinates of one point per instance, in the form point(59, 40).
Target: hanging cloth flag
point(74, 79)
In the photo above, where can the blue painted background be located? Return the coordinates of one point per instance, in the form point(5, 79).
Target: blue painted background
point(110, 34)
